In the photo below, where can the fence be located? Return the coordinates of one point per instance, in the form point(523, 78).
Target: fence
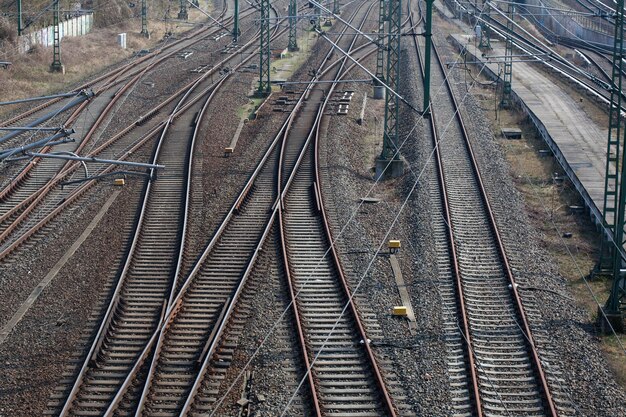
point(75, 26)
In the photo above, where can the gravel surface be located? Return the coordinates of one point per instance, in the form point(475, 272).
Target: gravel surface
point(568, 345)
point(349, 150)
point(36, 351)
point(35, 359)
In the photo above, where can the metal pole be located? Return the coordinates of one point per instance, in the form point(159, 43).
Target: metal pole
point(508, 59)
point(83, 96)
point(56, 65)
point(25, 100)
point(236, 23)
point(182, 14)
point(380, 53)
point(293, 23)
point(614, 184)
point(485, 42)
point(92, 159)
point(428, 35)
point(264, 50)
point(390, 134)
point(336, 7)
point(144, 18)
point(19, 18)
point(42, 142)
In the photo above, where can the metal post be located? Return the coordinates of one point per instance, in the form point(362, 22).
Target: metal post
point(614, 184)
point(182, 14)
point(19, 18)
point(508, 59)
point(236, 22)
point(390, 135)
point(264, 51)
point(336, 7)
point(380, 53)
point(485, 42)
point(428, 35)
point(293, 29)
point(56, 65)
point(144, 18)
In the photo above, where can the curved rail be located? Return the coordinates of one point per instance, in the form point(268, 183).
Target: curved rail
point(300, 211)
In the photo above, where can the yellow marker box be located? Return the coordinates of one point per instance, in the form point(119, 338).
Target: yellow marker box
point(119, 181)
point(400, 311)
point(394, 244)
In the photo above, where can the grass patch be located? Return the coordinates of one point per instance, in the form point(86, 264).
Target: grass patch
point(82, 56)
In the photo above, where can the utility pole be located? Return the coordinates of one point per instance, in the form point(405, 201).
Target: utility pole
point(508, 59)
point(380, 53)
point(293, 26)
point(144, 18)
point(19, 18)
point(428, 40)
point(56, 65)
point(236, 22)
point(614, 184)
point(264, 50)
point(390, 164)
point(484, 42)
point(182, 14)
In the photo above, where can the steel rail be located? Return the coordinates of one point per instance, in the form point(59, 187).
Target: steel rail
point(305, 355)
point(529, 341)
point(166, 306)
point(116, 299)
point(314, 135)
point(547, 396)
point(467, 336)
point(276, 211)
point(231, 303)
point(174, 302)
point(30, 202)
point(136, 76)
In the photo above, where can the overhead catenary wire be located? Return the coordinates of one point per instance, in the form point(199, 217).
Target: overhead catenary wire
point(333, 243)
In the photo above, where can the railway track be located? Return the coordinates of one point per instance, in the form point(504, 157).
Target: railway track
point(182, 377)
point(493, 360)
point(34, 200)
point(148, 280)
point(342, 372)
point(21, 188)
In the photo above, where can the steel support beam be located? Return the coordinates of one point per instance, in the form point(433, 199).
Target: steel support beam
point(428, 39)
point(56, 65)
point(336, 9)
point(182, 13)
point(293, 26)
point(505, 102)
point(20, 24)
point(84, 95)
point(394, 25)
point(144, 18)
point(72, 157)
point(236, 31)
point(41, 142)
point(484, 41)
point(614, 185)
point(264, 50)
point(380, 53)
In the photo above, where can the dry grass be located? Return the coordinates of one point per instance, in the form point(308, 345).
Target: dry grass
point(82, 56)
point(547, 205)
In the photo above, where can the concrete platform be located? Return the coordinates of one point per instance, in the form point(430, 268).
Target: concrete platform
point(576, 141)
